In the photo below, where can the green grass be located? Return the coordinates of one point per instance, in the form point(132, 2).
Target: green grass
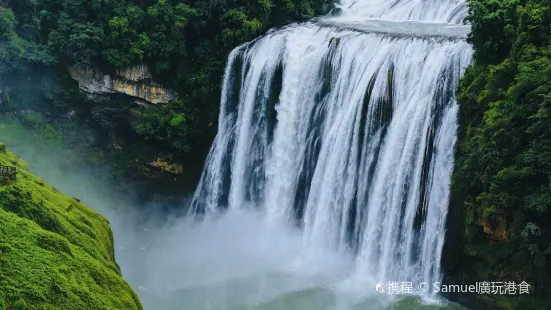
point(55, 253)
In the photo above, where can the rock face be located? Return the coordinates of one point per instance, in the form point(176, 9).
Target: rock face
point(134, 81)
point(336, 12)
point(497, 231)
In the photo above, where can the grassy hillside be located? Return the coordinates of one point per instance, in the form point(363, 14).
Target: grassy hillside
point(55, 253)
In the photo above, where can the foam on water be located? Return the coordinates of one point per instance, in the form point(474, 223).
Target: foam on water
point(330, 171)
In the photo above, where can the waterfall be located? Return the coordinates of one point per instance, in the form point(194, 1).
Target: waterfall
point(346, 127)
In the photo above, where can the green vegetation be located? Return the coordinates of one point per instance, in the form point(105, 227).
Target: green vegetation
point(186, 44)
point(55, 253)
point(15, 51)
point(503, 163)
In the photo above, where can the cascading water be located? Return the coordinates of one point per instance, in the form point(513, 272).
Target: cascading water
point(346, 128)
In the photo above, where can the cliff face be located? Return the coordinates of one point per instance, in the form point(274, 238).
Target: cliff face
point(134, 81)
point(55, 253)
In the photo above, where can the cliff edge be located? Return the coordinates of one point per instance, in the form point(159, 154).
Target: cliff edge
point(55, 253)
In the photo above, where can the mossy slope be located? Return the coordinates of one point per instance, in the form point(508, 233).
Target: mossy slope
point(55, 253)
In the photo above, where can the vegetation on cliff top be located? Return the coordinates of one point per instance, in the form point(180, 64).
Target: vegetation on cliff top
point(186, 44)
point(503, 162)
point(55, 253)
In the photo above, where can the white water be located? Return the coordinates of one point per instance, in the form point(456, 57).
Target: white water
point(329, 174)
point(343, 135)
point(442, 11)
point(312, 193)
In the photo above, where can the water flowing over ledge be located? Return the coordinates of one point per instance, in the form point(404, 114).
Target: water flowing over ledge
point(350, 134)
point(344, 130)
point(439, 11)
point(402, 28)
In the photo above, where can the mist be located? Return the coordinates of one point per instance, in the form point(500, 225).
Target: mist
point(235, 259)
point(174, 261)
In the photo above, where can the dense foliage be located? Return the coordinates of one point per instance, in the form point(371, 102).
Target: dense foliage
point(15, 51)
point(185, 43)
point(503, 163)
point(55, 253)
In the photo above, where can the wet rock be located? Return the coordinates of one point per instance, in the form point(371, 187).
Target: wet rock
point(336, 12)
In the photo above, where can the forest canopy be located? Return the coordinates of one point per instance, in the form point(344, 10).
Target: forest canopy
point(185, 43)
point(503, 164)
